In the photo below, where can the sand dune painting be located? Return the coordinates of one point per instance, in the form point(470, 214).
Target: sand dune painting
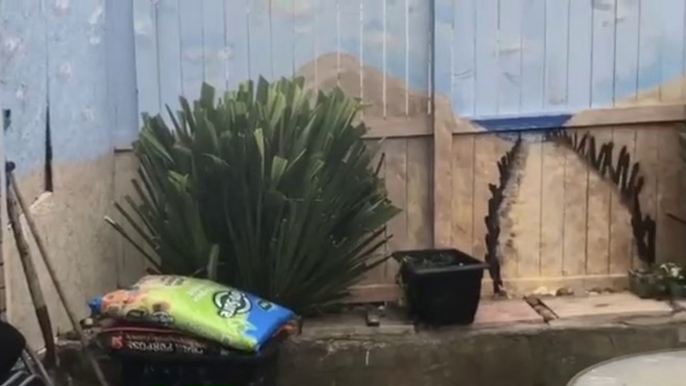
point(524, 178)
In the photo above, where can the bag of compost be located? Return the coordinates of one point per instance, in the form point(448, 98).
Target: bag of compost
point(199, 307)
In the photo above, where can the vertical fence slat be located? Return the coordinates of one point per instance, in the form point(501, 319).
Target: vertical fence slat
point(510, 49)
point(303, 46)
point(213, 35)
point(552, 208)
point(192, 49)
point(419, 221)
point(627, 42)
point(463, 192)
point(598, 215)
point(603, 53)
point(579, 67)
point(533, 73)
point(397, 185)
point(556, 40)
point(464, 71)
point(575, 210)
point(282, 19)
point(260, 45)
point(146, 56)
point(621, 235)
point(487, 47)
point(169, 53)
point(526, 209)
point(672, 54)
point(237, 40)
point(669, 232)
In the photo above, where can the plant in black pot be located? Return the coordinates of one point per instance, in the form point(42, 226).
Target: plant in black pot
point(442, 287)
point(675, 280)
point(269, 189)
point(648, 283)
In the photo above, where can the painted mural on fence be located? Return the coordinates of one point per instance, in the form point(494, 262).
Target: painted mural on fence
point(559, 205)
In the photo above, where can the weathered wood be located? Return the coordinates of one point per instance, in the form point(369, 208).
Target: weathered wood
point(621, 233)
point(442, 180)
point(616, 116)
point(419, 208)
point(525, 211)
point(378, 274)
point(397, 127)
point(598, 215)
point(462, 196)
point(397, 185)
point(575, 209)
point(553, 162)
point(669, 232)
point(646, 155)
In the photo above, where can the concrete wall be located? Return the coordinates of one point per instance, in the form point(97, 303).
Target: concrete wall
point(68, 79)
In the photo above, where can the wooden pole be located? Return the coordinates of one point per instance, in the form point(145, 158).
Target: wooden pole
point(32, 281)
point(14, 188)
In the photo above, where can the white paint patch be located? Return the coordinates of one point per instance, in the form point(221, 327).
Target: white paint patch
point(143, 26)
point(61, 5)
point(11, 44)
point(95, 40)
point(65, 71)
point(88, 114)
point(96, 16)
point(225, 53)
point(194, 54)
point(21, 92)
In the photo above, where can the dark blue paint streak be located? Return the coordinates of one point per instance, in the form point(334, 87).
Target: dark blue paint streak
point(545, 122)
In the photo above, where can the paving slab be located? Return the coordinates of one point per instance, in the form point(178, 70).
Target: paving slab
point(493, 312)
point(604, 305)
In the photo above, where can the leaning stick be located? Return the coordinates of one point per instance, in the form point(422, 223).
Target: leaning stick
point(32, 281)
point(53, 276)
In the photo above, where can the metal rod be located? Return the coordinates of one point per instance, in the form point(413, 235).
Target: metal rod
point(14, 187)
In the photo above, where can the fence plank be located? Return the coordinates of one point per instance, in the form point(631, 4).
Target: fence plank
point(526, 210)
point(580, 51)
point(192, 49)
point(575, 209)
point(462, 196)
point(169, 54)
point(237, 40)
point(621, 235)
point(598, 217)
point(552, 208)
point(556, 60)
point(146, 56)
point(647, 155)
point(419, 209)
point(214, 45)
point(397, 186)
point(668, 231)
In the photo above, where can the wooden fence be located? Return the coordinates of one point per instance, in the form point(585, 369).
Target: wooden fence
point(554, 207)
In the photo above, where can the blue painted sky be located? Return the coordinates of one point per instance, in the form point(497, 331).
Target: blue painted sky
point(494, 58)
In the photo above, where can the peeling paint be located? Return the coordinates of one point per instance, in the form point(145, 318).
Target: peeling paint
point(88, 114)
point(61, 6)
point(97, 16)
point(65, 71)
point(12, 44)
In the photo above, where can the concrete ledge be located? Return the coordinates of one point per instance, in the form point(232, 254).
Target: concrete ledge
point(525, 354)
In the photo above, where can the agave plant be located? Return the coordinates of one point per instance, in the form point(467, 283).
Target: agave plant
point(279, 190)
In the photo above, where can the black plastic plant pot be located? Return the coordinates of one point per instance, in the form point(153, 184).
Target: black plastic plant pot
point(442, 286)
